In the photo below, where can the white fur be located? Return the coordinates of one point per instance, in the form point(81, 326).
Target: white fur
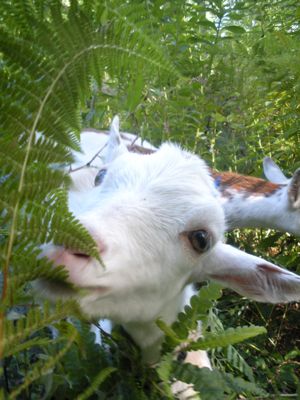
point(139, 217)
point(273, 173)
point(94, 143)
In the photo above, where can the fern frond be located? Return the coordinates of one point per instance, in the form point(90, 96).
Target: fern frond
point(36, 319)
point(240, 385)
point(46, 151)
point(40, 181)
point(232, 355)
point(226, 338)
point(209, 384)
point(96, 383)
point(164, 371)
point(28, 268)
point(197, 310)
point(214, 384)
point(42, 368)
point(169, 332)
point(18, 347)
point(237, 361)
point(42, 225)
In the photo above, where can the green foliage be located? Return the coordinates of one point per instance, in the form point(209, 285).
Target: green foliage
point(220, 77)
point(228, 337)
point(209, 384)
point(215, 384)
point(197, 310)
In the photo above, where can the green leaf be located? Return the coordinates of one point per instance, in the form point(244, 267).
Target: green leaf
point(198, 310)
point(208, 24)
point(240, 385)
point(168, 331)
point(235, 29)
point(226, 338)
point(213, 384)
point(209, 384)
point(99, 379)
point(237, 361)
point(164, 370)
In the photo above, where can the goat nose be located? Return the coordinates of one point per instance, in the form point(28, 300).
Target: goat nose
point(81, 254)
point(87, 222)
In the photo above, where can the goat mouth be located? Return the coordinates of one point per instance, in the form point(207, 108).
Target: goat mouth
point(56, 288)
point(63, 289)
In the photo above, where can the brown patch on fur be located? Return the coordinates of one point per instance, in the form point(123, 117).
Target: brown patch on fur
point(248, 184)
point(134, 148)
point(86, 130)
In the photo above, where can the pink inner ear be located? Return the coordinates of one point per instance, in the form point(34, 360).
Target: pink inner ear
point(268, 268)
point(294, 190)
point(244, 284)
point(262, 282)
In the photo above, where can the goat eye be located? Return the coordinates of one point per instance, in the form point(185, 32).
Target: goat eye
point(100, 176)
point(200, 240)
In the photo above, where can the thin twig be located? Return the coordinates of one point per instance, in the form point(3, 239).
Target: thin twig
point(88, 164)
point(134, 140)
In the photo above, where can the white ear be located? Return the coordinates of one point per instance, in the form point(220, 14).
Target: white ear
point(250, 276)
point(294, 190)
point(272, 172)
point(115, 145)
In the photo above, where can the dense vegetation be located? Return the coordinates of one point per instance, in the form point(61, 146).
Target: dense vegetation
point(222, 77)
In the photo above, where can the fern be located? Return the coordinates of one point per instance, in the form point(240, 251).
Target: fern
point(210, 384)
point(164, 371)
point(100, 378)
point(226, 338)
point(215, 384)
point(188, 321)
point(197, 310)
point(18, 331)
point(42, 367)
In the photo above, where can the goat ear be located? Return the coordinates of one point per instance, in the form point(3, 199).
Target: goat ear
point(272, 172)
point(294, 190)
point(250, 276)
point(115, 145)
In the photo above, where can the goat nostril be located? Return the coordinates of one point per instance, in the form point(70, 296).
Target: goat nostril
point(80, 254)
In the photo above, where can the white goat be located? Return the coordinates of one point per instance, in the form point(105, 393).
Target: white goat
point(159, 226)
